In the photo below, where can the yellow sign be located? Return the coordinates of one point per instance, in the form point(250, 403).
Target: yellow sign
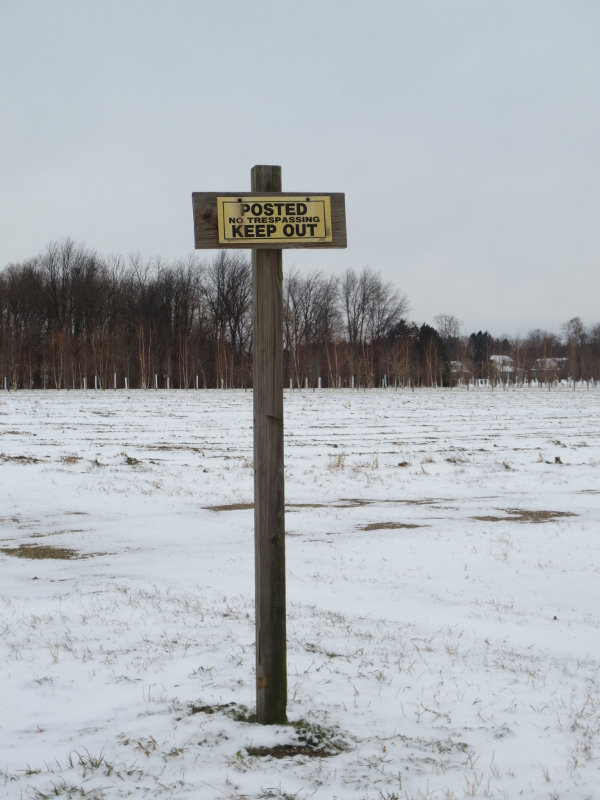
point(285, 219)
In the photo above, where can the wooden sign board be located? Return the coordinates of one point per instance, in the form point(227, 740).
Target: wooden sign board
point(272, 221)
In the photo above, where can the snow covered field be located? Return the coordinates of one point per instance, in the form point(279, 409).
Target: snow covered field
point(443, 595)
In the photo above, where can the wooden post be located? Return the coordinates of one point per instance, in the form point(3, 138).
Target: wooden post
point(269, 523)
point(235, 220)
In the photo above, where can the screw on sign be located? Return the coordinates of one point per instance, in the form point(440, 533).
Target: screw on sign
point(268, 220)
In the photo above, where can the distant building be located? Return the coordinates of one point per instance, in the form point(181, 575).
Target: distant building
point(503, 365)
point(550, 368)
point(457, 368)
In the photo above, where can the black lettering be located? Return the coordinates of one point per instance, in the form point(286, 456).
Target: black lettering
point(311, 228)
point(264, 220)
point(288, 230)
point(249, 231)
point(285, 219)
point(277, 219)
point(308, 219)
point(260, 231)
point(268, 208)
point(237, 231)
point(301, 208)
point(300, 233)
point(271, 220)
point(279, 206)
point(245, 208)
point(316, 219)
point(257, 209)
point(240, 219)
point(271, 229)
point(231, 220)
point(289, 208)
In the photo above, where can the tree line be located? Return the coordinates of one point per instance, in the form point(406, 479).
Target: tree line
point(71, 318)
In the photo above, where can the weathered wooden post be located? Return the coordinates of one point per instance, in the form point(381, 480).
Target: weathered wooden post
point(269, 524)
point(267, 220)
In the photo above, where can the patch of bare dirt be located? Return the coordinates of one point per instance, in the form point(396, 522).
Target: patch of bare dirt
point(19, 459)
point(231, 507)
point(289, 751)
point(306, 505)
point(389, 526)
point(39, 551)
point(522, 515)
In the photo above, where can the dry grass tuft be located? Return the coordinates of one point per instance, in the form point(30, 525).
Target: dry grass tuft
point(370, 463)
point(336, 461)
point(71, 459)
point(458, 459)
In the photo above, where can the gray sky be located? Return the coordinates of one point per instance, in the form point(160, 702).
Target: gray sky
point(466, 136)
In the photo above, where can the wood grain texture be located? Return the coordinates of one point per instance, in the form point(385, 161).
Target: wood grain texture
point(206, 231)
point(269, 499)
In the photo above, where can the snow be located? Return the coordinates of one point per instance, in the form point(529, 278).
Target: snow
point(456, 655)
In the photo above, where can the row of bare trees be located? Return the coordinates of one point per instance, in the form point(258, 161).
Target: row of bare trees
point(70, 318)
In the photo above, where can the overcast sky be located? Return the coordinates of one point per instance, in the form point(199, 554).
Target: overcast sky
point(466, 136)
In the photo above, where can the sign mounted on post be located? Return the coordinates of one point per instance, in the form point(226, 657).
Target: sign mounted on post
point(269, 221)
point(286, 219)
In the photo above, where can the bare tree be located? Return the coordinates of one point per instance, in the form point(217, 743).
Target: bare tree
point(372, 308)
point(227, 290)
point(575, 335)
point(448, 326)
